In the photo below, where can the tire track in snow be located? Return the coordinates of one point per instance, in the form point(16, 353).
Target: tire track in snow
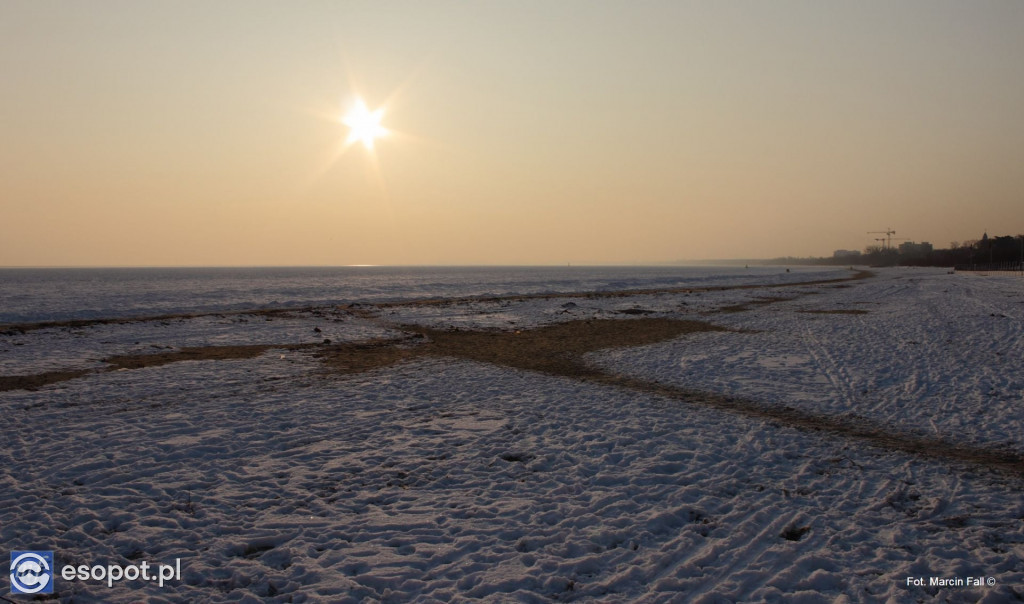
point(1003, 461)
point(753, 540)
point(559, 349)
point(826, 364)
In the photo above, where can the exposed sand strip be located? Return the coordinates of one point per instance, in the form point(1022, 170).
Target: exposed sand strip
point(38, 380)
point(20, 328)
point(1003, 461)
point(139, 361)
point(200, 353)
point(558, 350)
point(836, 311)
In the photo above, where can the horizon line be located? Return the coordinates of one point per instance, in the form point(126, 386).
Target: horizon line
point(683, 262)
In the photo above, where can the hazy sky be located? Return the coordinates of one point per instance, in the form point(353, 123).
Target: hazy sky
point(209, 133)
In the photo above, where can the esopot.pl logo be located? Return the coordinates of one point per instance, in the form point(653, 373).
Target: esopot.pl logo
point(31, 572)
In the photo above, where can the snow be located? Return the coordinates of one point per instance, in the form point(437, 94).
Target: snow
point(61, 294)
point(448, 480)
point(55, 348)
point(933, 353)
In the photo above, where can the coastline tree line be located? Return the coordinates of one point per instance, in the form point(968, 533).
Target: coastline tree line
point(1004, 252)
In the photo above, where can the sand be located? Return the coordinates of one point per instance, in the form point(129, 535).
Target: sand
point(559, 349)
point(819, 443)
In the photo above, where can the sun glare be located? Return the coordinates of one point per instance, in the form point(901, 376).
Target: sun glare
point(364, 125)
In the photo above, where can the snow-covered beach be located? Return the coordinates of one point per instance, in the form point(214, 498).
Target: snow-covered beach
point(437, 478)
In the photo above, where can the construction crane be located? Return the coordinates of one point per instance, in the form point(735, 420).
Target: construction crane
point(888, 234)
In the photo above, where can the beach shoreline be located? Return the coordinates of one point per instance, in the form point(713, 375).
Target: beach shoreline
point(729, 444)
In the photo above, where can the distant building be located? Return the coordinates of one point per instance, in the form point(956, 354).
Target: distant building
point(909, 248)
point(846, 254)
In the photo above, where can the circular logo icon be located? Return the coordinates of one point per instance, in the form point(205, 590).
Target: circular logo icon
point(30, 573)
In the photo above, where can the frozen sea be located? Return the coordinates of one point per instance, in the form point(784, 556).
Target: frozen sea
point(449, 480)
point(31, 295)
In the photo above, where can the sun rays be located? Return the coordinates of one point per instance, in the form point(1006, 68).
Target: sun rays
point(364, 125)
point(352, 162)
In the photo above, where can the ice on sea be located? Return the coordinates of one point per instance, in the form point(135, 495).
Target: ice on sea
point(454, 481)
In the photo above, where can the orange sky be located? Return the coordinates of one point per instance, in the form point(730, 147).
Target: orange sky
point(208, 133)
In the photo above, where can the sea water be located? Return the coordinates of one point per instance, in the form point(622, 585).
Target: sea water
point(30, 294)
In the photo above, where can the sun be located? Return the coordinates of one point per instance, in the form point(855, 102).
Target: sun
point(364, 125)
